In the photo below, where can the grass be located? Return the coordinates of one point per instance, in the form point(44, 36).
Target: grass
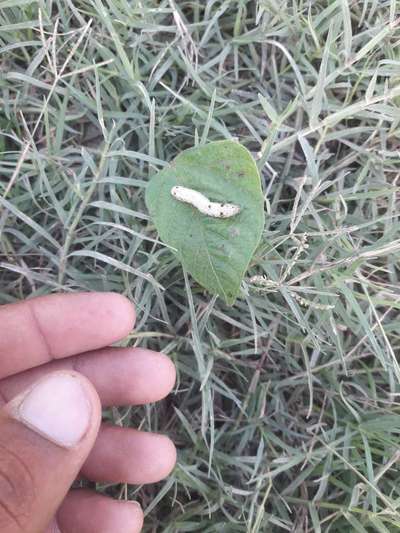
point(286, 416)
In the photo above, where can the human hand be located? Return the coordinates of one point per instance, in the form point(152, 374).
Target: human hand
point(55, 374)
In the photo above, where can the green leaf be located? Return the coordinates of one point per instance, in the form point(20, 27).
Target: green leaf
point(216, 251)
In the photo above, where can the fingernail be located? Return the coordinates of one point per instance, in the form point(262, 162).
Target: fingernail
point(133, 502)
point(57, 407)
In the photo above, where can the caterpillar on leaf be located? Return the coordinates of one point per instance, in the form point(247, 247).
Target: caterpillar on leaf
point(203, 204)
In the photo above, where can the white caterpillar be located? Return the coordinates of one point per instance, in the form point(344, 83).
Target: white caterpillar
point(203, 204)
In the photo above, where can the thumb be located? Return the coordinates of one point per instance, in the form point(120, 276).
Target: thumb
point(46, 434)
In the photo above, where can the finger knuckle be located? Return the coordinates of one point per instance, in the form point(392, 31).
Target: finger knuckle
point(17, 491)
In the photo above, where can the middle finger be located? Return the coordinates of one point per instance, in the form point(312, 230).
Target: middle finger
point(121, 376)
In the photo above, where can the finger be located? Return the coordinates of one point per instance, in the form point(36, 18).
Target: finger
point(121, 376)
point(86, 512)
point(46, 434)
point(36, 331)
point(123, 455)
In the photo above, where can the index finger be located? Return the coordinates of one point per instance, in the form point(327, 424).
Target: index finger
point(36, 331)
